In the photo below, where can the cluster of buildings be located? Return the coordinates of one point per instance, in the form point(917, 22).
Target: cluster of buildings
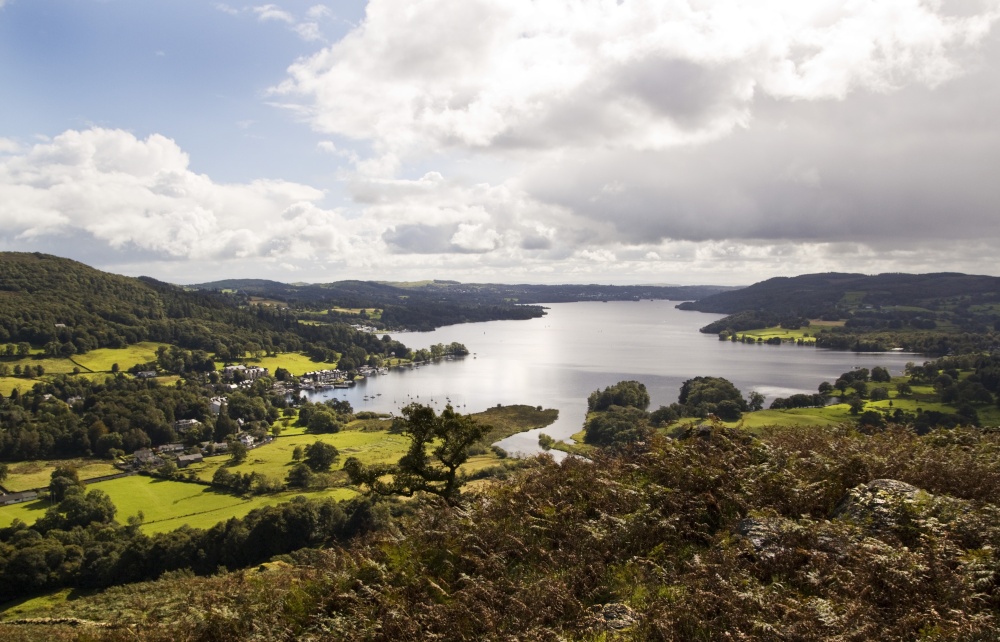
point(241, 376)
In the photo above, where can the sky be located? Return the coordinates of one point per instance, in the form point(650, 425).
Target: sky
point(564, 141)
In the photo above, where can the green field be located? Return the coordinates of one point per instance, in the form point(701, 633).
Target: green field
point(93, 364)
point(828, 416)
point(102, 359)
point(9, 384)
point(509, 420)
point(294, 362)
point(58, 365)
point(807, 334)
point(275, 459)
point(167, 505)
point(26, 475)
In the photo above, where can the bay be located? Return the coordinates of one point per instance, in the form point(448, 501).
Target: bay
point(557, 360)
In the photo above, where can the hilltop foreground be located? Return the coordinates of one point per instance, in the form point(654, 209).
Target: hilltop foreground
point(802, 534)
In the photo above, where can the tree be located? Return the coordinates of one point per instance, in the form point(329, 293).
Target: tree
point(616, 427)
point(631, 394)
point(755, 401)
point(3, 473)
point(702, 396)
point(63, 479)
point(878, 393)
point(320, 456)
point(224, 426)
point(871, 419)
point(237, 451)
point(323, 421)
point(439, 445)
point(663, 416)
point(297, 453)
point(300, 476)
point(880, 375)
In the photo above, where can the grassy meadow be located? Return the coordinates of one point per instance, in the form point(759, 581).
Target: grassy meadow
point(168, 504)
point(806, 334)
point(102, 359)
point(294, 362)
point(27, 475)
point(95, 364)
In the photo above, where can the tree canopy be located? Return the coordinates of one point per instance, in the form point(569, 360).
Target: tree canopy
point(627, 394)
point(439, 445)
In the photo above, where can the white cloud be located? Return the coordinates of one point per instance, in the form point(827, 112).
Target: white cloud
point(140, 195)
point(273, 12)
point(643, 74)
point(319, 12)
point(308, 31)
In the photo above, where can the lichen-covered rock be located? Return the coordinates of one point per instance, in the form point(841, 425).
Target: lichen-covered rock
point(891, 506)
point(614, 616)
point(765, 534)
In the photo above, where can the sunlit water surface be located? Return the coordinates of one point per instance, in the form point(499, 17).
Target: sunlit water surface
point(558, 360)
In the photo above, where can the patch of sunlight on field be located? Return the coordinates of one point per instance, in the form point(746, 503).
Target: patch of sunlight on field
point(167, 505)
point(8, 384)
point(806, 334)
point(102, 359)
point(294, 362)
point(27, 512)
point(49, 365)
point(239, 509)
point(40, 605)
point(479, 462)
point(274, 460)
point(26, 475)
point(795, 417)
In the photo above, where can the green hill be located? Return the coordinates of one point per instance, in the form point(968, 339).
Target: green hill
point(812, 295)
point(425, 305)
point(933, 313)
point(68, 307)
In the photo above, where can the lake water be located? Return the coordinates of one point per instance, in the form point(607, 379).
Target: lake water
point(556, 361)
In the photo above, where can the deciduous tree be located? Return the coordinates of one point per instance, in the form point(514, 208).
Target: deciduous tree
point(439, 445)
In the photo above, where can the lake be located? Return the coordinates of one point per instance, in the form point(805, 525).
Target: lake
point(556, 361)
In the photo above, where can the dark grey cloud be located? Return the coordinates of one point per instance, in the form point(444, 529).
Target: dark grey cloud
point(689, 93)
point(910, 165)
point(429, 239)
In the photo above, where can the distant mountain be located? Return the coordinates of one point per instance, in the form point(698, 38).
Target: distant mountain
point(381, 293)
point(937, 313)
point(813, 295)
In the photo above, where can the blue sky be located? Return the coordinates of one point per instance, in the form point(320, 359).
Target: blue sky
point(572, 141)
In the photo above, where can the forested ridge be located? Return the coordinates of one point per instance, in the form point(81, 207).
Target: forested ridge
point(46, 300)
point(427, 305)
point(815, 294)
point(931, 313)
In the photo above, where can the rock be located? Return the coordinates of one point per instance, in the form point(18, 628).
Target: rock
point(888, 505)
point(879, 505)
point(613, 616)
point(764, 533)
